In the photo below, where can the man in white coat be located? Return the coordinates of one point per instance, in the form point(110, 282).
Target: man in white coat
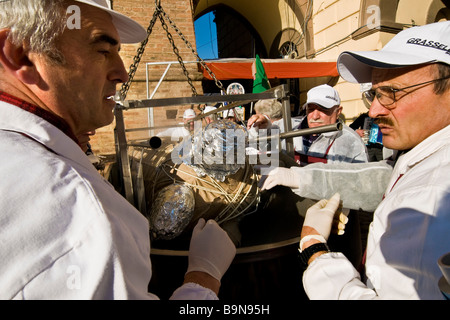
point(66, 233)
point(323, 107)
point(410, 98)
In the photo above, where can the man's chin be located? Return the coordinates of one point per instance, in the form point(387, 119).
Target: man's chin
point(107, 120)
point(391, 143)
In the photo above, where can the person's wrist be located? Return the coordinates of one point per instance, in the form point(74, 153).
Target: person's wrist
point(307, 230)
point(310, 231)
point(315, 256)
point(309, 240)
point(203, 279)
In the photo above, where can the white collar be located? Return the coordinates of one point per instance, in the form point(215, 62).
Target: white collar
point(15, 119)
point(423, 150)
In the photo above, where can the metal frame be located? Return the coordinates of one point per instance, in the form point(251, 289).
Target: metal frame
point(279, 92)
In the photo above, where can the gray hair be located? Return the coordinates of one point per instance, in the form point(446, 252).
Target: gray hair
point(443, 71)
point(38, 23)
point(212, 117)
point(269, 107)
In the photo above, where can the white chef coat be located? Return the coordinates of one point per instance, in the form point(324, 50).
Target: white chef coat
point(65, 232)
point(337, 146)
point(410, 231)
point(175, 133)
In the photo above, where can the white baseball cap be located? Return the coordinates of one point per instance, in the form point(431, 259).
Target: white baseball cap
point(414, 46)
point(189, 113)
point(323, 95)
point(228, 113)
point(208, 109)
point(129, 30)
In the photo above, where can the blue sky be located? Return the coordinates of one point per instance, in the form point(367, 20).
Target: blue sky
point(206, 36)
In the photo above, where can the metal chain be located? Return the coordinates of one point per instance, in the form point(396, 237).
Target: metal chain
point(137, 58)
point(188, 44)
point(177, 53)
point(159, 12)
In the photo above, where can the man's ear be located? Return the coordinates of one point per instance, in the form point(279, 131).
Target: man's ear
point(15, 59)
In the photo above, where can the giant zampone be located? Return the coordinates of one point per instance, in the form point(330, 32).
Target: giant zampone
point(205, 175)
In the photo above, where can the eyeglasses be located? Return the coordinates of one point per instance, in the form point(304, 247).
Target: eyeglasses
point(386, 95)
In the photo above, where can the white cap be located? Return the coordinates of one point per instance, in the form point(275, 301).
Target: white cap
point(208, 109)
point(414, 46)
point(129, 30)
point(189, 113)
point(228, 113)
point(323, 95)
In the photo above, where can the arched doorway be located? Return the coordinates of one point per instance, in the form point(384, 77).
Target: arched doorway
point(234, 37)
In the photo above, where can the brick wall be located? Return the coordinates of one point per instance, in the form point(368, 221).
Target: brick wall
point(158, 49)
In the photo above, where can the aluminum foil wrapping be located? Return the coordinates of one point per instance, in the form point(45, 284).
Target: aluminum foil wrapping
point(222, 148)
point(171, 212)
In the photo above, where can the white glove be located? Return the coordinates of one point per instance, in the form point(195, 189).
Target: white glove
point(322, 215)
point(211, 250)
point(340, 220)
point(281, 176)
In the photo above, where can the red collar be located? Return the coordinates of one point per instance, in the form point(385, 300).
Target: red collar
point(58, 122)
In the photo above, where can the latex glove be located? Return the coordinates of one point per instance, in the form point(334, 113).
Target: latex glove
point(211, 250)
point(281, 176)
point(321, 215)
point(340, 221)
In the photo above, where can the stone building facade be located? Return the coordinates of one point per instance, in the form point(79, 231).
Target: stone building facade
point(280, 29)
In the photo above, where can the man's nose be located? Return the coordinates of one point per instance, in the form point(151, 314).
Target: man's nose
point(377, 109)
point(315, 114)
point(118, 74)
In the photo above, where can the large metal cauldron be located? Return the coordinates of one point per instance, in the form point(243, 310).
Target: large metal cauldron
point(267, 236)
point(266, 266)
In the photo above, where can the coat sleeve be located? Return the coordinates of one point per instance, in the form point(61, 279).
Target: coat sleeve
point(332, 277)
point(193, 291)
point(361, 185)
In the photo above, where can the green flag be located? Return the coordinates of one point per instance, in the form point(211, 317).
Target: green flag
point(260, 81)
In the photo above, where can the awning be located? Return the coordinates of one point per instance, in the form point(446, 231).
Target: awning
point(229, 69)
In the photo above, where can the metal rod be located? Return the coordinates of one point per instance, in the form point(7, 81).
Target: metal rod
point(304, 132)
point(317, 130)
point(286, 109)
point(152, 103)
point(160, 81)
point(122, 154)
point(155, 127)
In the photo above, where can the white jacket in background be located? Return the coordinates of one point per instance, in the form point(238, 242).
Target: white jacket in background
point(347, 146)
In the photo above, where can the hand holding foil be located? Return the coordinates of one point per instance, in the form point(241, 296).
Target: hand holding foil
point(211, 250)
